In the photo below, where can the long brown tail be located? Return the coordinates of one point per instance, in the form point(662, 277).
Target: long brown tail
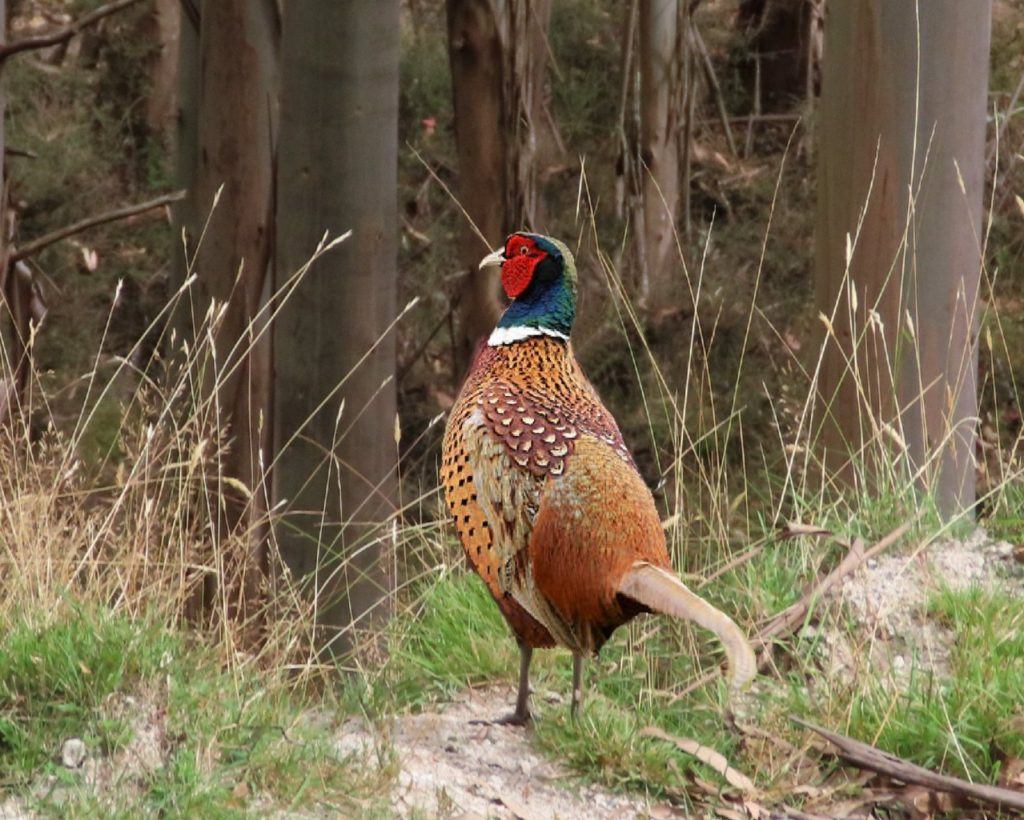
point(663, 592)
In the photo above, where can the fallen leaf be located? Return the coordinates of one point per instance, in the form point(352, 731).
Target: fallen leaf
point(1011, 775)
point(922, 802)
point(708, 756)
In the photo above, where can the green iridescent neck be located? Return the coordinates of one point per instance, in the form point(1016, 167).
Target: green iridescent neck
point(548, 307)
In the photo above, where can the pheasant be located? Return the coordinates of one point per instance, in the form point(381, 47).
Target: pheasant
point(547, 501)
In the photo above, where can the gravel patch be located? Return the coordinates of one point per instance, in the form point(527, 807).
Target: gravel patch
point(886, 601)
point(449, 766)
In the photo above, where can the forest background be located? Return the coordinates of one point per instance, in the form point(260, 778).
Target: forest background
point(240, 295)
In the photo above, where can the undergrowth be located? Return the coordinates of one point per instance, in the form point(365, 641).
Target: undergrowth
point(216, 740)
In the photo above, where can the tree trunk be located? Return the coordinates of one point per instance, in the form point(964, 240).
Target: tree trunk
point(163, 22)
point(886, 130)
point(476, 55)
point(660, 53)
point(784, 49)
point(11, 354)
point(498, 55)
point(237, 93)
point(335, 411)
point(528, 128)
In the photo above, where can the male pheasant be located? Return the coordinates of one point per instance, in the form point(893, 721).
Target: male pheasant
point(547, 501)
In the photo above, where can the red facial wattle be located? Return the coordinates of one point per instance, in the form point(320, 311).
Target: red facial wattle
point(521, 258)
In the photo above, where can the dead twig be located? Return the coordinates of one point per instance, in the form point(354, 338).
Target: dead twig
point(1001, 129)
point(44, 241)
point(868, 757)
point(716, 88)
point(62, 35)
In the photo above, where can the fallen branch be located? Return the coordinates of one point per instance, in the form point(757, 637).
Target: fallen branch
point(868, 757)
point(787, 621)
point(62, 35)
point(44, 241)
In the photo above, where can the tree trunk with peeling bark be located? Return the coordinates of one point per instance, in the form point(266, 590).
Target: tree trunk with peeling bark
point(335, 399)
point(498, 55)
point(898, 378)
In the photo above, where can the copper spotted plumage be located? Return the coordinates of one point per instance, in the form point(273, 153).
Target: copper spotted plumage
point(547, 502)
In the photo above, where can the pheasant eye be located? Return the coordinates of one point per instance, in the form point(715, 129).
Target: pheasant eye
point(523, 250)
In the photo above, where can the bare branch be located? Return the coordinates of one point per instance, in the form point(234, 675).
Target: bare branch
point(44, 241)
point(62, 35)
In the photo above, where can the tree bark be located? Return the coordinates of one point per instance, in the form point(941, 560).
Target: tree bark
point(660, 52)
point(888, 129)
point(528, 126)
point(163, 22)
point(498, 54)
point(186, 167)
point(235, 134)
point(476, 55)
point(336, 465)
point(11, 379)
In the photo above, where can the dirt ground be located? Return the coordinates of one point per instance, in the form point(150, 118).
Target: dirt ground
point(454, 764)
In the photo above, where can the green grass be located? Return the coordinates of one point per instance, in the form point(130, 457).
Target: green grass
point(229, 738)
point(54, 679)
point(1006, 519)
point(971, 722)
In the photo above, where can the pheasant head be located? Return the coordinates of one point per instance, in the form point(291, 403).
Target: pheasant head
point(539, 276)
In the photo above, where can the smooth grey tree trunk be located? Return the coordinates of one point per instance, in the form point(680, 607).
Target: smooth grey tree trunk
point(337, 171)
point(234, 96)
point(903, 103)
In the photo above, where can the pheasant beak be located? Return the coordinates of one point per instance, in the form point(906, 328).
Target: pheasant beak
point(495, 258)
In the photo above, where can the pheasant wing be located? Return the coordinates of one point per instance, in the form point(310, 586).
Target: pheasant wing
point(513, 447)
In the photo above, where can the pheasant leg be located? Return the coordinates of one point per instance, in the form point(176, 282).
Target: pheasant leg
point(521, 716)
point(577, 684)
